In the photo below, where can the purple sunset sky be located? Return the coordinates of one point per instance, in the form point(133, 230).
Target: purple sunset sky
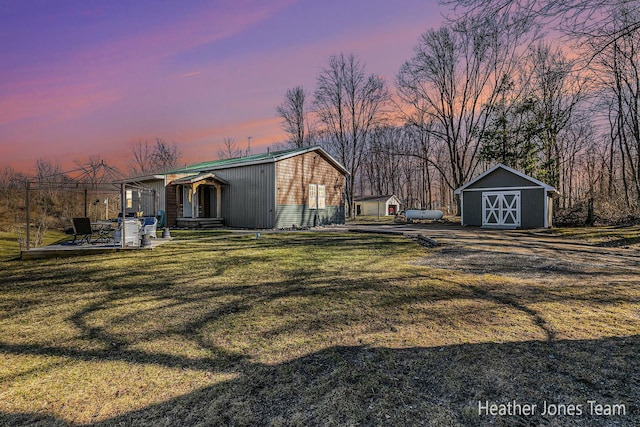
point(82, 78)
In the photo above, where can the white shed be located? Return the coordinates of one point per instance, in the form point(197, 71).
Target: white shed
point(377, 205)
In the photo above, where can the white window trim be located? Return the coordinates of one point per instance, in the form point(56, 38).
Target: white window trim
point(314, 200)
point(321, 203)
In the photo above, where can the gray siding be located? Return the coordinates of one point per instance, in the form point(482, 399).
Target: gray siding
point(472, 208)
point(149, 200)
point(502, 178)
point(249, 199)
point(302, 216)
point(531, 207)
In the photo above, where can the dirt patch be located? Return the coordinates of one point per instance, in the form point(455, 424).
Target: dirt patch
point(479, 261)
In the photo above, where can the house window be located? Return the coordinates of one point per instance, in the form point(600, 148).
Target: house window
point(129, 197)
point(317, 196)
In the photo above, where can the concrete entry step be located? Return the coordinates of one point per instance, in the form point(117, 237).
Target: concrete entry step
point(200, 222)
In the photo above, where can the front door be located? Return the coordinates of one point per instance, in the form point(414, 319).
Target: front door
point(213, 198)
point(501, 209)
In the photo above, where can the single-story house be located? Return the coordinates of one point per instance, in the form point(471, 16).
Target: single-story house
point(503, 197)
point(280, 189)
point(377, 205)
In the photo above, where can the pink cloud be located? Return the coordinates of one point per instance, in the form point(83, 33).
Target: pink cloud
point(192, 74)
point(206, 27)
point(119, 61)
point(54, 103)
point(100, 100)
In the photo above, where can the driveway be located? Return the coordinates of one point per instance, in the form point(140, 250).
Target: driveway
point(532, 254)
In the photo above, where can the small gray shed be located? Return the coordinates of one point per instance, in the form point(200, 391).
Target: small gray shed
point(503, 197)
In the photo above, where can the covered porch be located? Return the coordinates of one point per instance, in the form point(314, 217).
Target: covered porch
point(199, 201)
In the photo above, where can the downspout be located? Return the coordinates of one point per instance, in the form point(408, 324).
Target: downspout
point(28, 219)
point(462, 207)
point(546, 208)
point(275, 224)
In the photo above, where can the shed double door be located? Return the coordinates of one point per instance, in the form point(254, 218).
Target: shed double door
point(501, 209)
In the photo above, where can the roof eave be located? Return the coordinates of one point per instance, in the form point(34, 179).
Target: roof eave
point(140, 179)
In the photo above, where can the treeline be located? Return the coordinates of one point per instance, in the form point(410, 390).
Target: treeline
point(489, 86)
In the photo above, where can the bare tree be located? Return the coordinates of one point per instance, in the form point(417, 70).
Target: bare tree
point(454, 80)
point(527, 130)
point(295, 120)
point(141, 163)
point(576, 18)
point(147, 158)
point(606, 38)
point(349, 104)
point(48, 176)
point(7, 180)
point(624, 83)
point(165, 156)
point(11, 194)
point(557, 92)
point(229, 149)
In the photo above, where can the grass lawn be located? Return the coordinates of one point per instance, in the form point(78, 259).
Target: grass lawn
point(10, 248)
point(305, 329)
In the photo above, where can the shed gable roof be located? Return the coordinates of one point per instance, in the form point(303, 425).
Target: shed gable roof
point(533, 181)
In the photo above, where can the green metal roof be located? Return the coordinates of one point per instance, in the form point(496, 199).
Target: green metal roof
point(272, 156)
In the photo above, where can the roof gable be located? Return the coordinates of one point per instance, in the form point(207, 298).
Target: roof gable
point(501, 167)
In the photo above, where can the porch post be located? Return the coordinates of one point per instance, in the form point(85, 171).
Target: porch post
point(179, 206)
point(194, 196)
point(218, 201)
point(28, 209)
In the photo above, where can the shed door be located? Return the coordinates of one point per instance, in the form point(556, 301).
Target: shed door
point(501, 209)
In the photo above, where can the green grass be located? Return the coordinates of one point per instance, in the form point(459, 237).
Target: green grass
point(372, 218)
point(300, 329)
point(10, 246)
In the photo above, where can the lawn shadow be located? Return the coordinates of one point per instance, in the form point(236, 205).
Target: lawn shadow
point(441, 386)
point(620, 241)
point(115, 312)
